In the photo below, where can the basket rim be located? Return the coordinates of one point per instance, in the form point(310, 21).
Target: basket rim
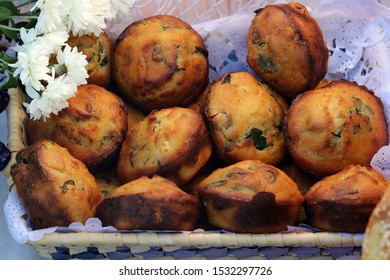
point(202, 239)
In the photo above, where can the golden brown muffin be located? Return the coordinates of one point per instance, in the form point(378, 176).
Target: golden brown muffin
point(245, 119)
point(55, 187)
point(98, 50)
point(160, 62)
point(250, 196)
point(171, 142)
point(286, 49)
point(149, 203)
point(376, 242)
point(330, 127)
point(344, 201)
point(92, 127)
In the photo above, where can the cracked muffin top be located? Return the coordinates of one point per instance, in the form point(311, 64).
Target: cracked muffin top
point(160, 62)
point(332, 126)
point(245, 119)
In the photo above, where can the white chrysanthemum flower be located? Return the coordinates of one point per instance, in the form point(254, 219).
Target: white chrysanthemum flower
point(87, 16)
point(28, 36)
point(119, 9)
point(48, 42)
point(51, 16)
point(36, 108)
point(32, 66)
point(51, 100)
point(53, 41)
point(57, 19)
point(31, 92)
point(72, 63)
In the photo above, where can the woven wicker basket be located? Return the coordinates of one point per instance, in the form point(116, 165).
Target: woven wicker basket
point(197, 245)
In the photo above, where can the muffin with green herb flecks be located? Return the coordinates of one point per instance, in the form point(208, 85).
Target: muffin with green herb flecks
point(160, 62)
point(55, 187)
point(92, 127)
point(286, 49)
point(171, 142)
point(245, 119)
point(154, 203)
point(330, 127)
point(345, 201)
point(250, 196)
point(98, 50)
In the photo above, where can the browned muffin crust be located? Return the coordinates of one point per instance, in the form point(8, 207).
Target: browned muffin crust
point(250, 196)
point(149, 203)
point(286, 49)
point(171, 142)
point(245, 119)
point(55, 187)
point(330, 127)
point(92, 127)
point(160, 62)
point(98, 50)
point(345, 201)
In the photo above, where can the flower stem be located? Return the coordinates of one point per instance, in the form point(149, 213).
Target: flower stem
point(24, 17)
point(9, 28)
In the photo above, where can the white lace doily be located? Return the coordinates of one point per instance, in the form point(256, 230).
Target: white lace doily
point(356, 32)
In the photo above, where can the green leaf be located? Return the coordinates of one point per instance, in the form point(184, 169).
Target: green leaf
point(7, 58)
point(26, 24)
point(4, 13)
point(12, 34)
point(9, 5)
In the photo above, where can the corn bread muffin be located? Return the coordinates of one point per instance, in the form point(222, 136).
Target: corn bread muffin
point(245, 119)
point(376, 242)
point(250, 196)
point(344, 201)
point(55, 187)
point(98, 50)
point(171, 142)
point(330, 127)
point(160, 62)
point(92, 127)
point(286, 49)
point(149, 203)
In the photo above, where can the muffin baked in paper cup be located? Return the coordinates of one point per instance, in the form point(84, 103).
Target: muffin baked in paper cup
point(359, 48)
